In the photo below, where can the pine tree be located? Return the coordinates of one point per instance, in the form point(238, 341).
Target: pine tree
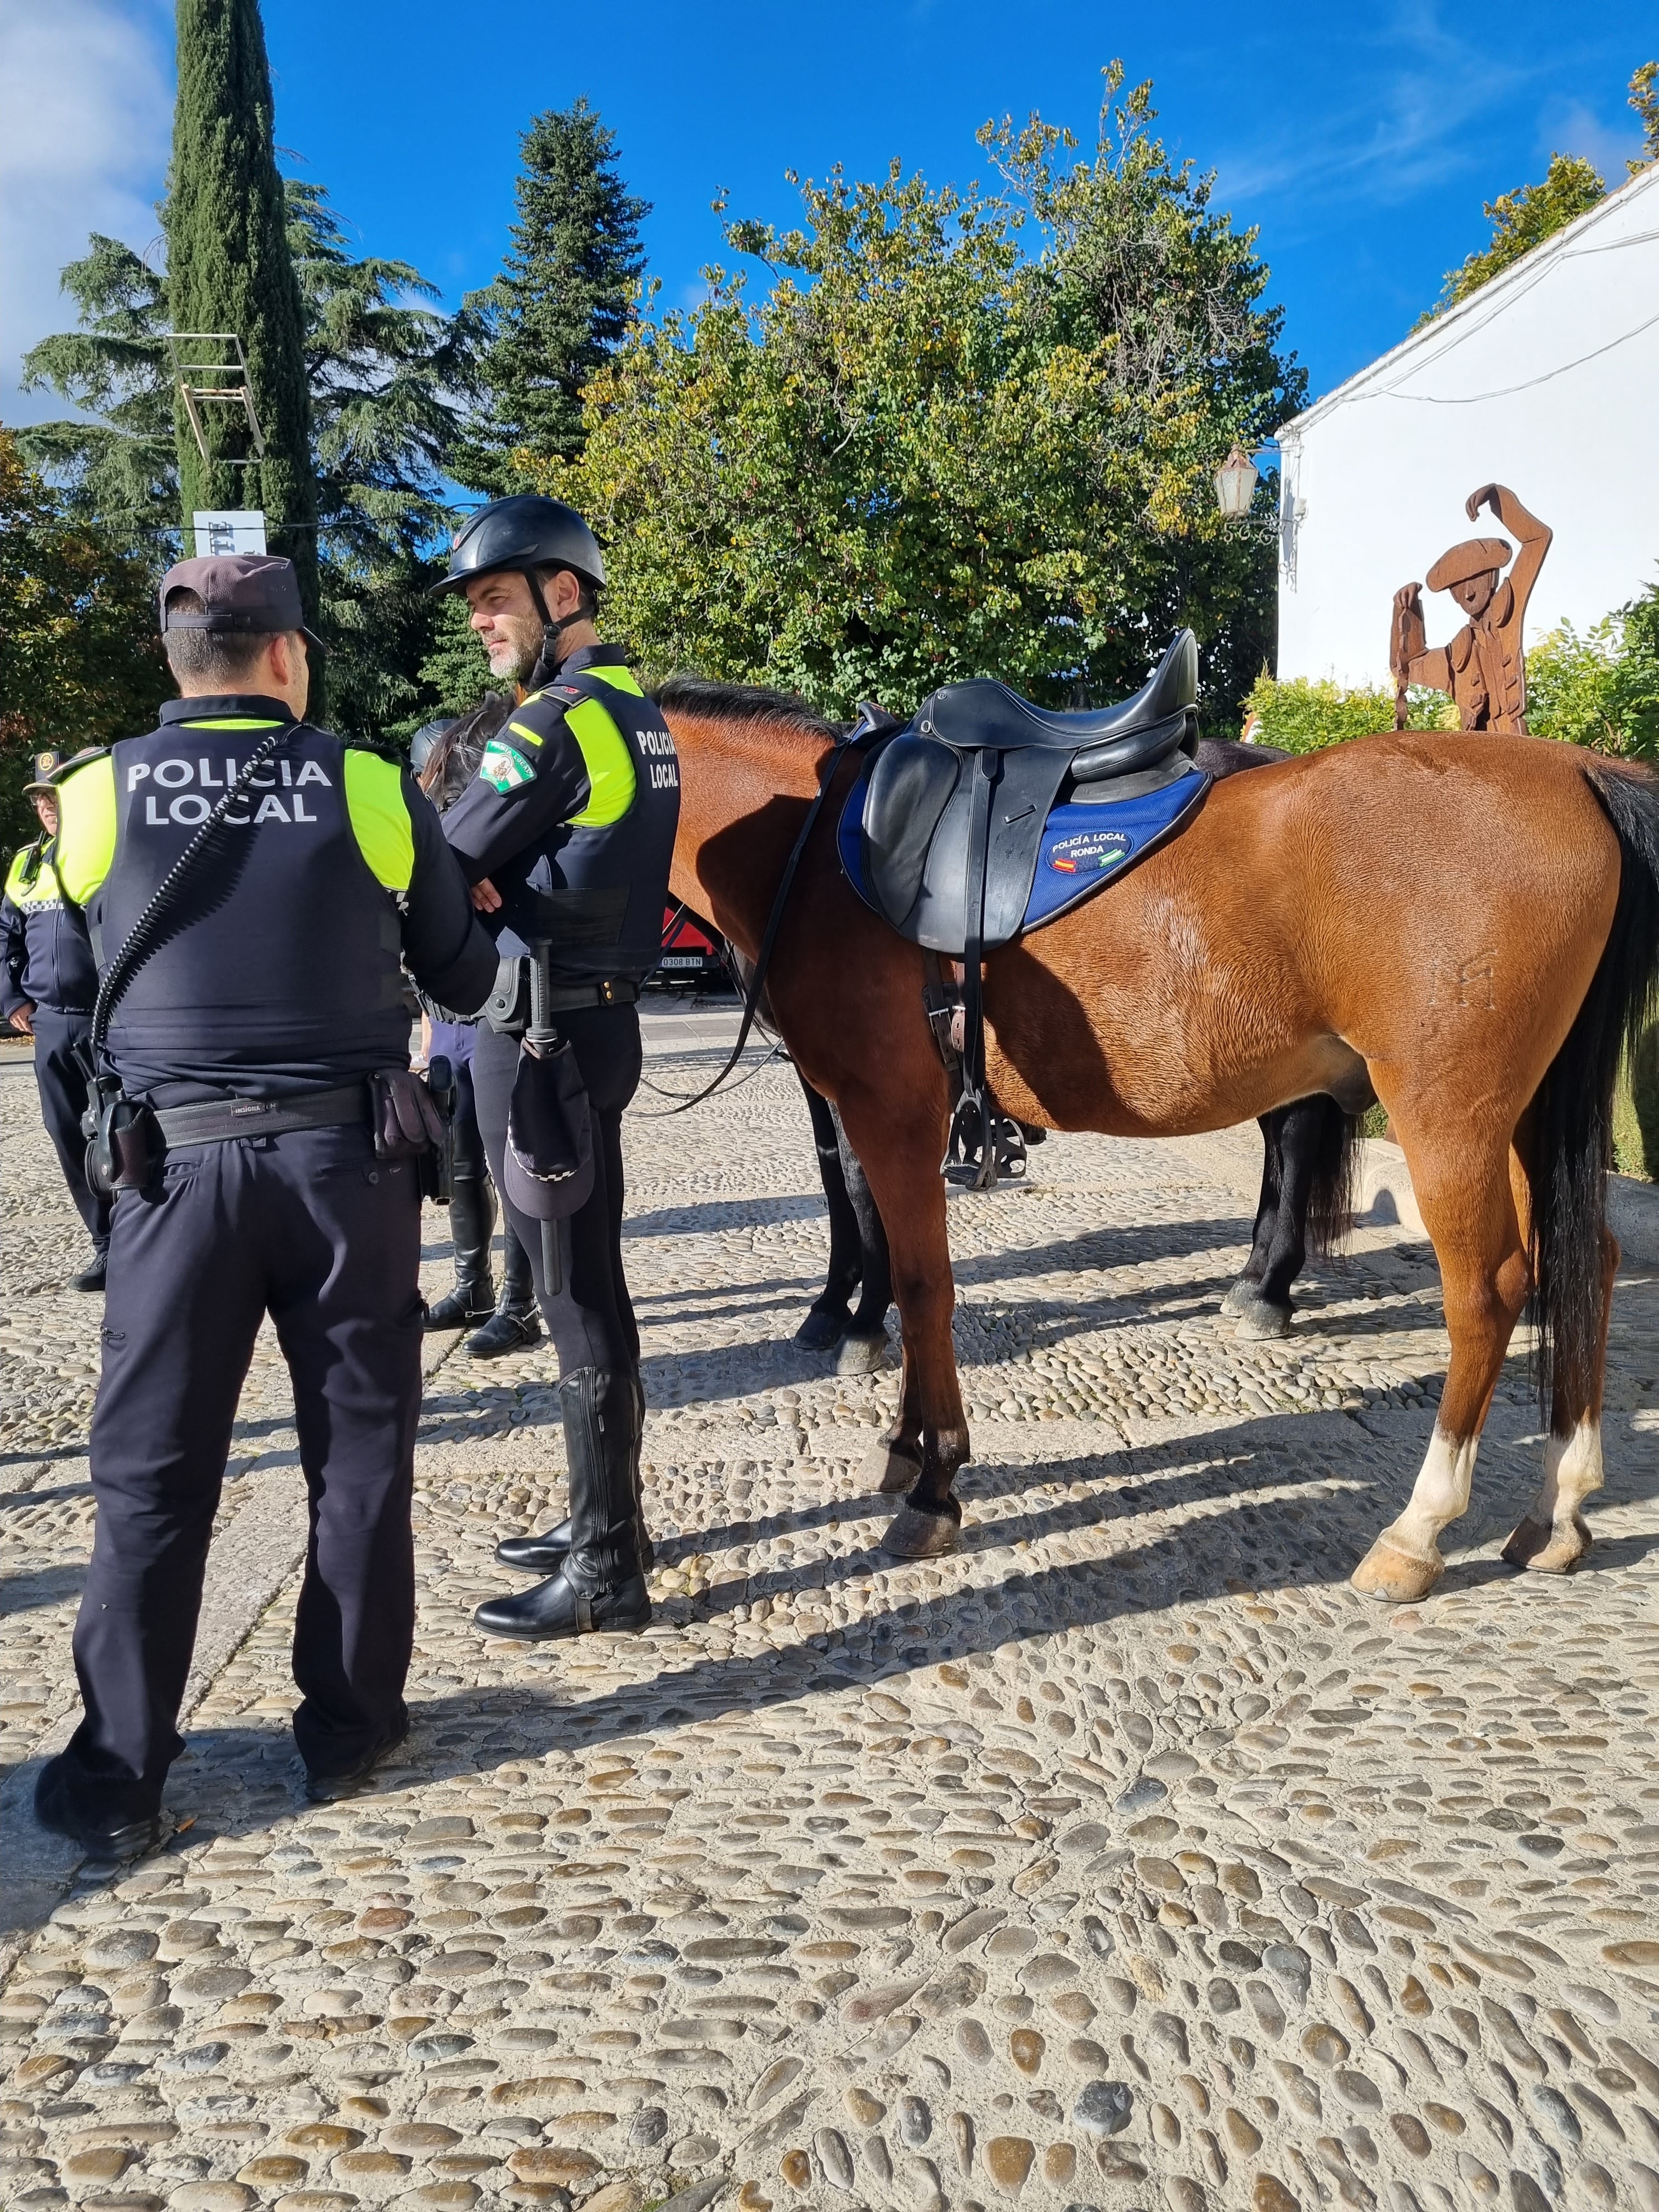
point(564, 301)
point(229, 269)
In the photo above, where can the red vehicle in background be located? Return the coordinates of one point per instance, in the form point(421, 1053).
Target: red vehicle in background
point(693, 955)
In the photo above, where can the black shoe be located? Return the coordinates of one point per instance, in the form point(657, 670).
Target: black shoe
point(559, 1607)
point(109, 1838)
point(329, 1789)
point(600, 1583)
point(504, 1332)
point(545, 1555)
point(467, 1304)
point(91, 1277)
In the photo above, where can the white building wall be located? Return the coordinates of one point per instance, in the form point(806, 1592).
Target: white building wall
point(1546, 380)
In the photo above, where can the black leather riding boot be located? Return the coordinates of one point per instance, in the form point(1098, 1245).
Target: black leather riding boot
point(472, 1225)
point(515, 1321)
point(544, 1555)
point(600, 1583)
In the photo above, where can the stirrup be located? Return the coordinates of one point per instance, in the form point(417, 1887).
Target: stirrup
point(971, 1154)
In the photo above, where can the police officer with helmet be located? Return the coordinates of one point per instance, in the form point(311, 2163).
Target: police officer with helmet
point(566, 833)
point(47, 985)
point(254, 886)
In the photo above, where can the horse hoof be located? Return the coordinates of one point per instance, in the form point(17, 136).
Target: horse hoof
point(1244, 1293)
point(1259, 1318)
point(890, 1471)
point(821, 1331)
point(1387, 1572)
point(862, 1355)
point(1543, 1550)
point(914, 1535)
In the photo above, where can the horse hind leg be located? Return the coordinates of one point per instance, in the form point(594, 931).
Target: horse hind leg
point(1246, 1293)
point(1553, 1536)
point(1484, 1278)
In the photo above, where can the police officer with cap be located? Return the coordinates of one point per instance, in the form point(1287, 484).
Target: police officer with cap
point(47, 985)
point(254, 886)
point(566, 833)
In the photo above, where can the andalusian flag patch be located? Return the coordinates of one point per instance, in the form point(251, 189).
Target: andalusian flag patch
point(504, 766)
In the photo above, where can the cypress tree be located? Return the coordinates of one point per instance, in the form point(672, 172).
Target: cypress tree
point(229, 267)
point(565, 299)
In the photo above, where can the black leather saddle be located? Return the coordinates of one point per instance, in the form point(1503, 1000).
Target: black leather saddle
point(955, 806)
point(944, 833)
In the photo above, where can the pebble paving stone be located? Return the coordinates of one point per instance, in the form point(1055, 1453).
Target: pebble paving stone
point(1128, 1860)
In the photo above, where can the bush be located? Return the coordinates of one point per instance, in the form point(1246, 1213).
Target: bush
point(1601, 690)
point(1303, 716)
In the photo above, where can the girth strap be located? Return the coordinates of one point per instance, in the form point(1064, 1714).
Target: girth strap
point(970, 1155)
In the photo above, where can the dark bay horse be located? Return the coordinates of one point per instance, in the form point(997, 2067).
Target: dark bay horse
point(1465, 926)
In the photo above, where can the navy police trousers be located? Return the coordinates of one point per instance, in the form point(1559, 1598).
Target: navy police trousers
point(63, 1087)
point(311, 1228)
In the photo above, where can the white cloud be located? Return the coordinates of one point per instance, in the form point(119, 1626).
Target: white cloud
point(86, 108)
point(1570, 127)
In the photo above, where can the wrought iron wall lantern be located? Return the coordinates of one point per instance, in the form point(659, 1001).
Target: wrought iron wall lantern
point(1236, 481)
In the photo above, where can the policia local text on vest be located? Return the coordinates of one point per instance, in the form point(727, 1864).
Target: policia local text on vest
point(568, 834)
point(47, 986)
point(273, 995)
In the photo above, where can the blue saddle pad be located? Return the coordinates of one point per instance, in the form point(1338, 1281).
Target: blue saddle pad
point(1080, 848)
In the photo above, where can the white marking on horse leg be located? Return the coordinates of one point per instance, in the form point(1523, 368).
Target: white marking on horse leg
point(1552, 1537)
point(1405, 1561)
point(1439, 1496)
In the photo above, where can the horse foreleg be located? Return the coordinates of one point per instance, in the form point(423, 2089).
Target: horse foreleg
point(826, 1321)
point(1472, 1220)
point(928, 1442)
point(1553, 1536)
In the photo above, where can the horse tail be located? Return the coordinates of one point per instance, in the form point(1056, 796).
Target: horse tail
point(1572, 1144)
point(1335, 1187)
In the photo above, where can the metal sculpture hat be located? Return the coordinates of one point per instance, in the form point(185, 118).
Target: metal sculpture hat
point(242, 594)
point(46, 765)
point(1475, 556)
point(548, 1167)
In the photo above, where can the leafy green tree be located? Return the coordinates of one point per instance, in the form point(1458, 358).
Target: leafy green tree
point(1305, 714)
point(925, 452)
point(1521, 220)
point(230, 270)
point(389, 376)
point(1645, 99)
point(564, 301)
point(80, 655)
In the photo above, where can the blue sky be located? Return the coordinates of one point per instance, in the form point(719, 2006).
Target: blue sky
point(1362, 144)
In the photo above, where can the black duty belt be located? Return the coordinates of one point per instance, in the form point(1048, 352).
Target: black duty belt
point(611, 993)
point(218, 1120)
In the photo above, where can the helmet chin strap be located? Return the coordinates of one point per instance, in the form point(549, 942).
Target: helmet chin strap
point(548, 660)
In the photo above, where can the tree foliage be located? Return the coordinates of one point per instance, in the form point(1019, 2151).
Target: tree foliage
point(1305, 714)
point(390, 377)
point(230, 270)
point(563, 302)
point(80, 655)
point(957, 434)
point(1601, 690)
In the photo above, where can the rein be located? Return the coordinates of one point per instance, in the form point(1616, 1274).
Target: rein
point(872, 724)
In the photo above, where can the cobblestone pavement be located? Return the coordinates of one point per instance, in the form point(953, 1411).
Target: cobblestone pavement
point(1127, 1860)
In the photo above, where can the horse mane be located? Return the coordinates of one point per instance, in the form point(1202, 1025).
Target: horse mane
point(741, 702)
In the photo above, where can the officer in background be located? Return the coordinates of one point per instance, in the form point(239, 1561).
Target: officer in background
point(47, 985)
point(267, 1028)
point(445, 756)
point(566, 833)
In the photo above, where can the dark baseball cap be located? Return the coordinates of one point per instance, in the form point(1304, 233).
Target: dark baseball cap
point(241, 593)
point(46, 766)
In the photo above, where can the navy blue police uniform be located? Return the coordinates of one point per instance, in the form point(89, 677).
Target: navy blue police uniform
point(47, 964)
point(277, 990)
point(572, 816)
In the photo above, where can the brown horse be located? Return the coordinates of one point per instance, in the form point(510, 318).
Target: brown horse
point(1467, 925)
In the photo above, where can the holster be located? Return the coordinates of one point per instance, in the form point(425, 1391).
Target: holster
point(127, 1147)
point(438, 1161)
point(506, 1009)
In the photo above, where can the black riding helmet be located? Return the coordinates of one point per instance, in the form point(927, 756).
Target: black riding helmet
point(525, 533)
